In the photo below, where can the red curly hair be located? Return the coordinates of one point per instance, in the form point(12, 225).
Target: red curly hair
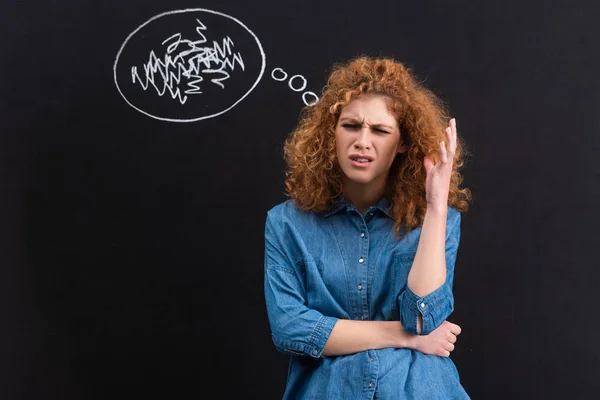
point(313, 175)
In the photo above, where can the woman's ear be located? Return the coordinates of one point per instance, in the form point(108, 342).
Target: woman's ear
point(403, 145)
point(402, 148)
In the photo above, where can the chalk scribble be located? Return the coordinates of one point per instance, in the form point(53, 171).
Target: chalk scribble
point(186, 64)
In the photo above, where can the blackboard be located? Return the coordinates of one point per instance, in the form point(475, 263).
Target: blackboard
point(133, 210)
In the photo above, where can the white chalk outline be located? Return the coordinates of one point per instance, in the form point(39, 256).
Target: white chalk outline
point(277, 79)
point(262, 69)
point(292, 87)
point(306, 101)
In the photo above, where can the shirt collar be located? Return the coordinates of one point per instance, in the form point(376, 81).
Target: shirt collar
point(383, 205)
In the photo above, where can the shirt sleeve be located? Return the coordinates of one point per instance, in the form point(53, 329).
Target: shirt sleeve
point(296, 329)
point(435, 307)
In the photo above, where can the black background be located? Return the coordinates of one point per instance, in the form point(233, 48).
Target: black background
point(131, 251)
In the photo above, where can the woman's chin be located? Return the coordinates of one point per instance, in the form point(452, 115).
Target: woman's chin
point(359, 179)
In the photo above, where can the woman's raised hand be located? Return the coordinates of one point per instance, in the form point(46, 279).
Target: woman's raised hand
point(437, 183)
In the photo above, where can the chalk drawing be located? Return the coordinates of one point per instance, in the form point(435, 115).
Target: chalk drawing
point(173, 69)
point(275, 74)
point(280, 75)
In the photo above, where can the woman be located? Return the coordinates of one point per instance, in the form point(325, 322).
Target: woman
point(359, 262)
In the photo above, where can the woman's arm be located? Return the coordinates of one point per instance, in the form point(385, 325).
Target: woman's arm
point(350, 336)
point(428, 271)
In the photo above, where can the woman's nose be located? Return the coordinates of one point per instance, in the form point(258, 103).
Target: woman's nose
point(362, 141)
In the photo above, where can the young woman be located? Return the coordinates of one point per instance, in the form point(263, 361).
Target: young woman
point(359, 262)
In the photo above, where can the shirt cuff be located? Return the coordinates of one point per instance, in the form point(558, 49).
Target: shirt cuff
point(434, 308)
point(316, 341)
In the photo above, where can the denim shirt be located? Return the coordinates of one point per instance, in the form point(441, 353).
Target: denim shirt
point(321, 267)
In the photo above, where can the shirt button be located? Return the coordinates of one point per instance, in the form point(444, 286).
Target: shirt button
point(370, 384)
point(370, 359)
point(422, 305)
point(370, 214)
point(361, 260)
point(359, 287)
point(314, 352)
point(362, 234)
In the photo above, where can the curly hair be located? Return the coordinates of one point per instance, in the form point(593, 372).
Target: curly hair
point(313, 175)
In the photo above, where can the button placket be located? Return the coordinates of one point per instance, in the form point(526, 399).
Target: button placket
point(363, 245)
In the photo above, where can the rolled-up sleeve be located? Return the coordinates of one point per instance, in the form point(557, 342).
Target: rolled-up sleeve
point(435, 307)
point(295, 328)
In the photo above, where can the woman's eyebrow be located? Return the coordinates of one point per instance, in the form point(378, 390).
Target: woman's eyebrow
point(376, 125)
point(351, 119)
point(358, 121)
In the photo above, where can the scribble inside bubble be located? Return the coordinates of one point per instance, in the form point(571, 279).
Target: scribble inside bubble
point(188, 65)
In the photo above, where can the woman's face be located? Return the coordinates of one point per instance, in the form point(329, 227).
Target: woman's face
point(367, 141)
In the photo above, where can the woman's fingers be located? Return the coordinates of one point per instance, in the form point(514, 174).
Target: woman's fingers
point(452, 136)
point(455, 329)
point(443, 153)
point(448, 146)
point(452, 328)
point(451, 141)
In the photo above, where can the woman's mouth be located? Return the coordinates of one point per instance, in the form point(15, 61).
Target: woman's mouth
point(360, 162)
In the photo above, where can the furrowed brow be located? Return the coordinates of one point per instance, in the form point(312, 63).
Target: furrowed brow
point(382, 126)
point(351, 119)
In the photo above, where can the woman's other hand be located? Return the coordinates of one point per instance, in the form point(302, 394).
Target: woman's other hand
point(440, 342)
point(437, 183)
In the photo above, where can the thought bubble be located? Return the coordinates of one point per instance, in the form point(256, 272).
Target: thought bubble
point(188, 65)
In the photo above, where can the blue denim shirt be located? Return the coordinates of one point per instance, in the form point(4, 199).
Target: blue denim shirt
point(340, 264)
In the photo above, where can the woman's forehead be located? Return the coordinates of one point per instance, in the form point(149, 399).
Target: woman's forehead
point(375, 108)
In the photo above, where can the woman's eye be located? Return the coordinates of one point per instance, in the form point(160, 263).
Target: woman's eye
point(358, 126)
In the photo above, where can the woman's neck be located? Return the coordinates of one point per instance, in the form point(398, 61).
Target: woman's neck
point(362, 196)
